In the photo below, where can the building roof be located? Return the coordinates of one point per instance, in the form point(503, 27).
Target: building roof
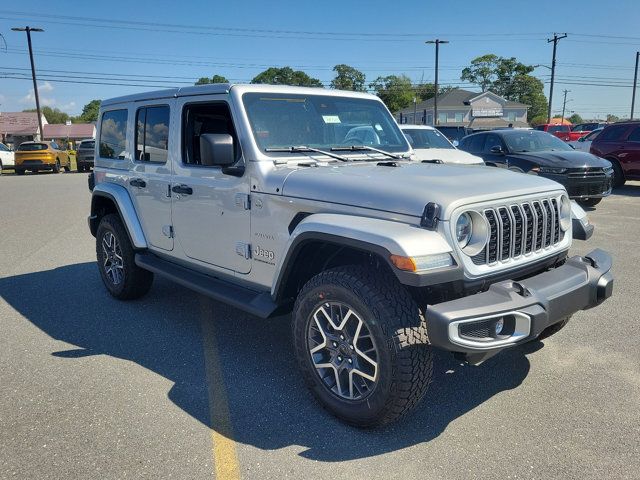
point(75, 130)
point(19, 123)
point(456, 98)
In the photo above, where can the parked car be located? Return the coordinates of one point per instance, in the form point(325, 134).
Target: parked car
point(260, 200)
point(7, 157)
point(620, 144)
point(431, 145)
point(454, 134)
point(563, 132)
point(584, 143)
point(581, 129)
point(84, 154)
point(37, 156)
point(586, 177)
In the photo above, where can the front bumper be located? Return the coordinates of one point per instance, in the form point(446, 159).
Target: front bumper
point(526, 307)
point(584, 186)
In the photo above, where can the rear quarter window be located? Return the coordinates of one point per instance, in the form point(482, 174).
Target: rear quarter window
point(113, 134)
point(612, 133)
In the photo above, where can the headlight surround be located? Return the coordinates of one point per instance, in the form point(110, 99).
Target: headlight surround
point(565, 213)
point(471, 232)
point(464, 229)
point(552, 170)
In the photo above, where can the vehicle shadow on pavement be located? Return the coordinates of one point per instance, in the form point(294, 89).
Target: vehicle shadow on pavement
point(627, 190)
point(270, 406)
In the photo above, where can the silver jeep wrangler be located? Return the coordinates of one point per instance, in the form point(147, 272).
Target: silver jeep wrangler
point(306, 201)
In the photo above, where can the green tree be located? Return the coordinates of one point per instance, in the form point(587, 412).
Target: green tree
point(286, 76)
point(215, 79)
point(348, 78)
point(612, 118)
point(89, 112)
point(530, 91)
point(53, 115)
point(575, 118)
point(482, 71)
point(396, 91)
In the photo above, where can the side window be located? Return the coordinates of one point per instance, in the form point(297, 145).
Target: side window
point(113, 134)
point(492, 141)
point(152, 134)
point(473, 144)
point(612, 133)
point(540, 127)
point(635, 135)
point(3, 148)
point(201, 118)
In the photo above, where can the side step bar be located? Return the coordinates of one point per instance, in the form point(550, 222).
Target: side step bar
point(259, 304)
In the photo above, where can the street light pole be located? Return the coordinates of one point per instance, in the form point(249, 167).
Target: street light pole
point(29, 29)
point(635, 81)
point(564, 103)
point(437, 43)
point(555, 40)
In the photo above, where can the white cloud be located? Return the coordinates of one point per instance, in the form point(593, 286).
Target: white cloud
point(45, 87)
point(46, 101)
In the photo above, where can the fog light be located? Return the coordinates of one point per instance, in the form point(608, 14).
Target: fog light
point(499, 326)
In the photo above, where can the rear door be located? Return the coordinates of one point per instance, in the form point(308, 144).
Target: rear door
point(150, 177)
point(632, 158)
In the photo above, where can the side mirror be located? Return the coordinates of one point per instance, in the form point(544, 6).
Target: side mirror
point(455, 143)
point(497, 149)
point(216, 149)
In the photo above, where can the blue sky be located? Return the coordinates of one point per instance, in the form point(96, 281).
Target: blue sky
point(240, 39)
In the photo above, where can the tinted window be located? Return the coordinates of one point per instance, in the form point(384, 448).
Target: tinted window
point(152, 134)
point(32, 147)
point(491, 140)
point(635, 135)
point(591, 136)
point(90, 144)
point(612, 133)
point(558, 128)
point(55, 146)
point(3, 148)
point(113, 134)
point(425, 138)
point(540, 127)
point(533, 141)
point(473, 143)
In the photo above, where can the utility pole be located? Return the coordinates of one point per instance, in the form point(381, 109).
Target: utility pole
point(29, 29)
point(555, 40)
point(437, 43)
point(564, 103)
point(635, 81)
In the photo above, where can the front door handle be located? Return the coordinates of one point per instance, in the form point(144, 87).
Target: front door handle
point(182, 189)
point(138, 182)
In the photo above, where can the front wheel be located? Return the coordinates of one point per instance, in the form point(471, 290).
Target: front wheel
point(361, 344)
point(56, 167)
point(589, 202)
point(116, 261)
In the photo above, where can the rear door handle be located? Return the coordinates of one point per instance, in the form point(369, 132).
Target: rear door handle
point(182, 189)
point(138, 182)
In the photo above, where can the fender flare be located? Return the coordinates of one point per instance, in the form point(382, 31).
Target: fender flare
point(371, 235)
point(120, 197)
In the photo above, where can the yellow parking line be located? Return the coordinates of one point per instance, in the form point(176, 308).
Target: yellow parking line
point(225, 457)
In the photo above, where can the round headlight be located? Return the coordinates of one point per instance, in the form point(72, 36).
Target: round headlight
point(565, 213)
point(464, 229)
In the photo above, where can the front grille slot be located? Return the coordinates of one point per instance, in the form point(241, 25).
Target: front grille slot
point(520, 229)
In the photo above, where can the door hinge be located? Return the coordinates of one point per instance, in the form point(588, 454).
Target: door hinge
point(167, 231)
point(243, 249)
point(243, 200)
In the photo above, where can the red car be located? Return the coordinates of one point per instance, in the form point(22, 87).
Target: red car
point(563, 132)
point(581, 129)
point(620, 144)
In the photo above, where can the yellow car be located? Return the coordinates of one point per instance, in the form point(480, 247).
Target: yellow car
point(36, 156)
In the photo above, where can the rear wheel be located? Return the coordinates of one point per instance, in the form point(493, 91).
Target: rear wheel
point(19, 171)
point(618, 174)
point(590, 202)
point(67, 167)
point(361, 344)
point(116, 261)
point(80, 168)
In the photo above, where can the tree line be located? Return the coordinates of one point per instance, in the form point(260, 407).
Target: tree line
point(54, 115)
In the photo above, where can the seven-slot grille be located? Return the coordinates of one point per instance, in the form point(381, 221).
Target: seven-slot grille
point(520, 229)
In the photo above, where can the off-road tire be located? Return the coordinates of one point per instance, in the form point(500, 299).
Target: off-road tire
point(590, 202)
point(405, 364)
point(553, 329)
point(136, 281)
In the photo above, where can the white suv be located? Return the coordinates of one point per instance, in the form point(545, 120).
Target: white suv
point(7, 157)
point(429, 145)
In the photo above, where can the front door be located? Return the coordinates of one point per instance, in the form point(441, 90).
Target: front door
point(150, 181)
point(210, 209)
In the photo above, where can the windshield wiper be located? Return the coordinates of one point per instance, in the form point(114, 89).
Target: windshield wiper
point(304, 148)
point(359, 148)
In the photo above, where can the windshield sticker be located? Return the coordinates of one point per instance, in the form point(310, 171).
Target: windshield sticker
point(331, 118)
point(378, 127)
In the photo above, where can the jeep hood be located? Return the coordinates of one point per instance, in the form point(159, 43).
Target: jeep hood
point(406, 188)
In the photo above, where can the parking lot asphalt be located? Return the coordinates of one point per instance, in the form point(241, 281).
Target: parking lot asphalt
point(175, 385)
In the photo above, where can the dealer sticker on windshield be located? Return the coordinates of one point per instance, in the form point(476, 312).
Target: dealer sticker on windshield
point(331, 118)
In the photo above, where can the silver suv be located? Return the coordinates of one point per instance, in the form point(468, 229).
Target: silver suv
point(305, 201)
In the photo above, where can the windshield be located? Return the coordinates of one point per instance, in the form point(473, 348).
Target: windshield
point(320, 121)
point(533, 141)
point(592, 136)
point(91, 144)
point(32, 147)
point(426, 138)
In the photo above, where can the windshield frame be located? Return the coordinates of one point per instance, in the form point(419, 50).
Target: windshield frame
point(260, 154)
point(507, 136)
